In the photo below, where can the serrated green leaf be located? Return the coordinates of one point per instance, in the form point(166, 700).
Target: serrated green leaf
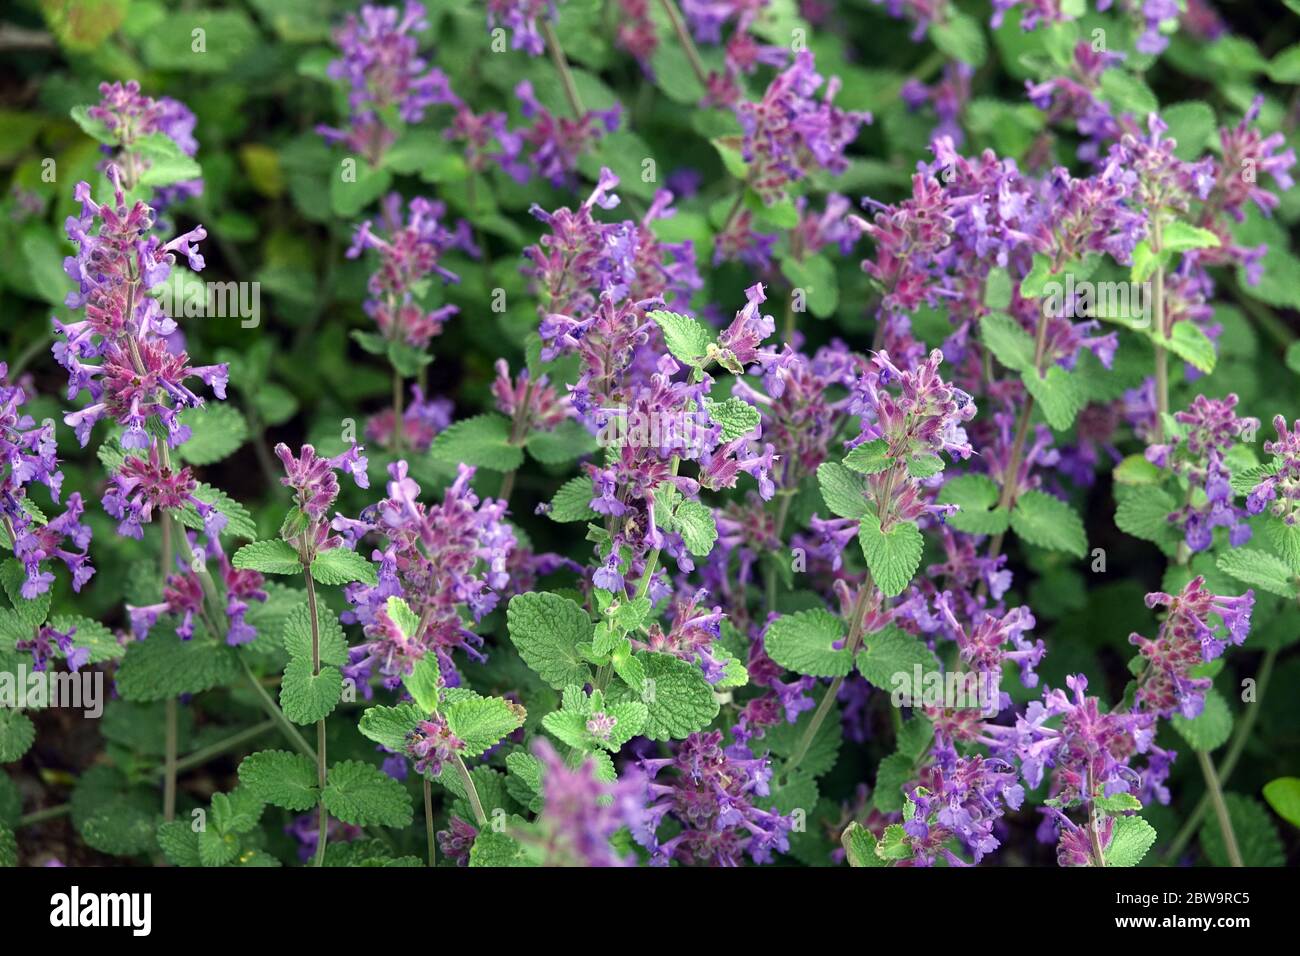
point(565, 442)
point(1048, 522)
point(111, 815)
point(892, 652)
point(341, 566)
point(687, 339)
point(1129, 841)
point(677, 698)
point(1259, 569)
point(297, 636)
point(1008, 341)
point(481, 723)
point(737, 417)
point(482, 441)
point(547, 629)
point(1058, 393)
point(976, 497)
point(306, 697)
point(17, 734)
point(1257, 838)
point(1181, 236)
point(179, 843)
point(893, 556)
point(804, 643)
point(363, 795)
point(573, 501)
point(388, 726)
point(496, 850)
point(164, 666)
point(869, 457)
point(268, 557)
point(217, 431)
point(1190, 344)
point(842, 490)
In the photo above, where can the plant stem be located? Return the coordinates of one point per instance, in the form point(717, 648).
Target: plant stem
point(562, 68)
point(824, 708)
point(273, 709)
point(397, 410)
point(322, 816)
point(199, 757)
point(40, 816)
point(172, 710)
point(470, 791)
point(1229, 763)
point(1220, 808)
point(428, 819)
point(684, 38)
point(769, 582)
point(1158, 316)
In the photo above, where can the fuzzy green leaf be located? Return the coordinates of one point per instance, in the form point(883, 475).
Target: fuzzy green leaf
point(547, 630)
point(363, 795)
point(280, 778)
point(1048, 522)
point(893, 556)
point(341, 566)
point(269, 557)
point(803, 642)
point(482, 441)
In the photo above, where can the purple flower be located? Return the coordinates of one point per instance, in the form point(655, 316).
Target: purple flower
point(712, 794)
point(131, 116)
point(1281, 482)
point(47, 642)
point(384, 72)
point(432, 744)
point(787, 133)
point(1187, 640)
point(145, 484)
point(520, 18)
point(557, 142)
point(580, 814)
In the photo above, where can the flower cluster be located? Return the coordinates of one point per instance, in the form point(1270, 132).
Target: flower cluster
point(191, 595)
point(130, 117)
point(384, 73)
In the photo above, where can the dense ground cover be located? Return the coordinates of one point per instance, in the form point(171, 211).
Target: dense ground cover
point(706, 432)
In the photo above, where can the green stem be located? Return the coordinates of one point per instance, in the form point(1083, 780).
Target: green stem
point(470, 791)
point(824, 708)
point(322, 815)
point(40, 816)
point(273, 710)
point(562, 68)
point(1158, 317)
point(769, 575)
point(1220, 808)
point(684, 38)
point(1235, 748)
point(428, 820)
point(171, 715)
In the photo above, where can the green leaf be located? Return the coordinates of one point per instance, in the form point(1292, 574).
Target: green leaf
point(1048, 522)
point(869, 458)
point(976, 496)
point(269, 557)
point(341, 566)
point(481, 722)
point(111, 815)
point(860, 846)
point(363, 795)
point(961, 37)
point(217, 430)
point(573, 501)
point(891, 652)
point(1136, 470)
point(803, 643)
point(1059, 394)
point(737, 417)
point(1283, 795)
point(164, 666)
point(842, 490)
point(306, 697)
point(1129, 841)
point(694, 521)
point(1128, 93)
point(92, 635)
point(1119, 803)
point(179, 843)
point(997, 289)
point(678, 700)
point(1285, 66)
point(388, 726)
point(1008, 341)
point(892, 775)
point(1259, 569)
point(1211, 729)
point(17, 733)
point(297, 636)
point(482, 441)
point(239, 523)
point(164, 163)
point(893, 556)
point(1144, 513)
point(1181, 236)
point(687, 339)
point(567, 441)
point(424, 681)
point(496, 850)
point(1190, 344)
point(29, 614)
point(96, 129)
point(1191, 125)
point(547, 629)
point(1257, 838)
